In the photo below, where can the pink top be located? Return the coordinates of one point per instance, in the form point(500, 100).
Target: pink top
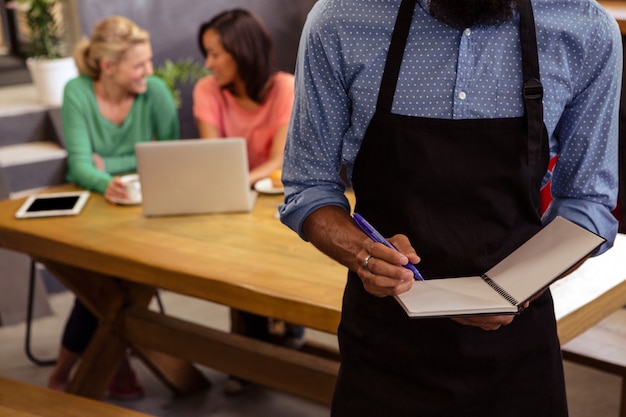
point(216, 106)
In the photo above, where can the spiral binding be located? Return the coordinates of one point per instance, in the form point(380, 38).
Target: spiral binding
point(499, 290)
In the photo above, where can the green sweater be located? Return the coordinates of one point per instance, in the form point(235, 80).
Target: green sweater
point(152, 116)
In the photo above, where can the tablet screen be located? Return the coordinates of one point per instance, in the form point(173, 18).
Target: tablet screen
point(53, 204)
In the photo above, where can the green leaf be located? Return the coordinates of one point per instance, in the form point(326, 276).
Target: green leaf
point(178, 73)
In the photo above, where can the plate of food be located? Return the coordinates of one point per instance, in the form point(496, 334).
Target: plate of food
point(270, 185)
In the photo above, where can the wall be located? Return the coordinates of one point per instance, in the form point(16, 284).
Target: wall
point(173, 26)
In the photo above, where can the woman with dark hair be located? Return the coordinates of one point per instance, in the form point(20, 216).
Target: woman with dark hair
point(245, 97)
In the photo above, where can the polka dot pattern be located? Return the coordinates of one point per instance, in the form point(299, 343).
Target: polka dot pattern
point(452, 74)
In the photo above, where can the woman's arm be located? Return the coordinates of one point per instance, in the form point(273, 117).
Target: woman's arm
point(205, 108)
point(75, 111)
point(275, 161)
point(207, 130)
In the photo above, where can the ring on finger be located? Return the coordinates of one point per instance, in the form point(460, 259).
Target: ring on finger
point(366, 262)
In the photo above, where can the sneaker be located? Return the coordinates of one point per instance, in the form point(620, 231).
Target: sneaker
point(235, 386)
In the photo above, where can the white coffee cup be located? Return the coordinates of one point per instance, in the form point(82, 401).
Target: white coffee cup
point(133, 188)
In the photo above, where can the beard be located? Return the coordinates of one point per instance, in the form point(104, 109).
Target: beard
point(462, 14)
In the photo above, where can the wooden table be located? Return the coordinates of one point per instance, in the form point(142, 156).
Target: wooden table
point(114, 259)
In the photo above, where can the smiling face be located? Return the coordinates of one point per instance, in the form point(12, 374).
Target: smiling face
point(131, 71)
point(219, 61)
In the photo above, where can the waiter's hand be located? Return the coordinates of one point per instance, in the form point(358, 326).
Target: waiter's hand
point(332, 230)
point(487, 322)
point(385, 273)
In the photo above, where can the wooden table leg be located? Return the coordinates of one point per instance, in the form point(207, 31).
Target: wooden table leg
point(109, 298)
point(179, 376)
point(99, 363)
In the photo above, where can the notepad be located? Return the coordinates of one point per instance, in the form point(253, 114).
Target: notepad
point(505, 288)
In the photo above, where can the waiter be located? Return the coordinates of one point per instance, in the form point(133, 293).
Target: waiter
point(446, 113)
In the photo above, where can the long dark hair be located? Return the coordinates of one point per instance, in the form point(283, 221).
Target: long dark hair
point(245, 37)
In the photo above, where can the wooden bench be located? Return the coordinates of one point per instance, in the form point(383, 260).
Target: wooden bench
point(18, 399)
point(602, 347)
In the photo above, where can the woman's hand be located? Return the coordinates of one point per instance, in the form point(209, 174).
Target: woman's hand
point(116, 191)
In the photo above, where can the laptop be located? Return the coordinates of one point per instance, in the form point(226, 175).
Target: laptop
point(194, 176)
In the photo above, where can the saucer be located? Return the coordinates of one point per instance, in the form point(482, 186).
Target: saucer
point(129, 202)
point(265, 186)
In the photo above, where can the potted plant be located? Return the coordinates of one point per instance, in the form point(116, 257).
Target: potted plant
point(178, 73)
point(49, 68)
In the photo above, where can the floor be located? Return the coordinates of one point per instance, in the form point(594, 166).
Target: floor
point(158, 401)
point(590, 393)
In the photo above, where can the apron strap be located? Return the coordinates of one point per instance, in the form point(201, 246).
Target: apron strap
point(533, 89)
point(394, 56)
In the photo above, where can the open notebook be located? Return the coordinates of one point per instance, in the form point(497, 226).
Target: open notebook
point(507, 286)
point(194, 176)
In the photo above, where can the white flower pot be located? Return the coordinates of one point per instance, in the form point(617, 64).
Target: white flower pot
point(50, 76)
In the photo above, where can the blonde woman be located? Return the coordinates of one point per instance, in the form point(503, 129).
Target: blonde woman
point(113, 104)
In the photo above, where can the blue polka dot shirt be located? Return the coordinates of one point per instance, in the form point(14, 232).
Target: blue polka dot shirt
point(449, 73)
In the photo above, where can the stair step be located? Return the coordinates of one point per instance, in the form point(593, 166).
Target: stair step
point(30, 153)
point(19, 99)
point(34, 126)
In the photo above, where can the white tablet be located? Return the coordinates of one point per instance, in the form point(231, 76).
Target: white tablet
point(53, 204)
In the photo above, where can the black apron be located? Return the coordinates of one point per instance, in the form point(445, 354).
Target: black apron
point(466, 193)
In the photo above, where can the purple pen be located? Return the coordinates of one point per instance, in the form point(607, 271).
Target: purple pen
point(373, 234)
